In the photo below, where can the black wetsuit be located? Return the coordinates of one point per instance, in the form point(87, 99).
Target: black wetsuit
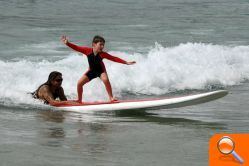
point(95, 65)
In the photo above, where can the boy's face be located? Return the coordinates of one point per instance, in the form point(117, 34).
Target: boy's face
point(98, 47)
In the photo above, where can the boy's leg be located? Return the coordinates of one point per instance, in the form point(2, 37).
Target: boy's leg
point(105, 79)
point(82, 81)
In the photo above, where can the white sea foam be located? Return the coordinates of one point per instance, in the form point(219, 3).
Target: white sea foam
point(162, 69)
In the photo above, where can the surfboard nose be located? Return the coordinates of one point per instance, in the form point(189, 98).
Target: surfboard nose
point(221, 93)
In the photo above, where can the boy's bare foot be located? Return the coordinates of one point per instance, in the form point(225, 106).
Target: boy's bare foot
point(114, 100)
point(79, 101)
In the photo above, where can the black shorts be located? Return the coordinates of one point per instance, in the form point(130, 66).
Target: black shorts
point(93, 74)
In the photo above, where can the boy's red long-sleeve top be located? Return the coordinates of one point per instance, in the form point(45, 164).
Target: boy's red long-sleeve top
point(89, 51)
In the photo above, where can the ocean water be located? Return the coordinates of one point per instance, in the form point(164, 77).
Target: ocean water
point(180, 46)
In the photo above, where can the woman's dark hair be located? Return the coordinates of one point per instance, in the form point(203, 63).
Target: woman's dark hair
point(51, 77)
point(97, 39)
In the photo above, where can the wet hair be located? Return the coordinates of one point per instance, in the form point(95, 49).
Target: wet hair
point(51, 77)
point(97, 39)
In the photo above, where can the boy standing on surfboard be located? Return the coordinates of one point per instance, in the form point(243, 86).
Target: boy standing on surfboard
point(95, 56)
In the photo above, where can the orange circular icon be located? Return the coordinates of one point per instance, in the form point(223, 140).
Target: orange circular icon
point(226, 145)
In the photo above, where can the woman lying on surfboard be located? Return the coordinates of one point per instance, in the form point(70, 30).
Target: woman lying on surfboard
point(95, 56)
point(51, 90)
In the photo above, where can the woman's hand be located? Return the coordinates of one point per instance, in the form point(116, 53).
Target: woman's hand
point(64, 39)
point(131, 63)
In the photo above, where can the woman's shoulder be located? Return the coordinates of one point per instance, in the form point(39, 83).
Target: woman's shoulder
point(43, 88)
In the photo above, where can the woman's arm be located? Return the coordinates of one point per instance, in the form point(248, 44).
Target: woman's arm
point(47, 95)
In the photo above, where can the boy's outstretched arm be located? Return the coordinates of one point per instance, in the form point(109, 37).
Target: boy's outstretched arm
point(115, 59)
point(73, 46)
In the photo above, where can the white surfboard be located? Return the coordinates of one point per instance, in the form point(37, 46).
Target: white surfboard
point(146, 104)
